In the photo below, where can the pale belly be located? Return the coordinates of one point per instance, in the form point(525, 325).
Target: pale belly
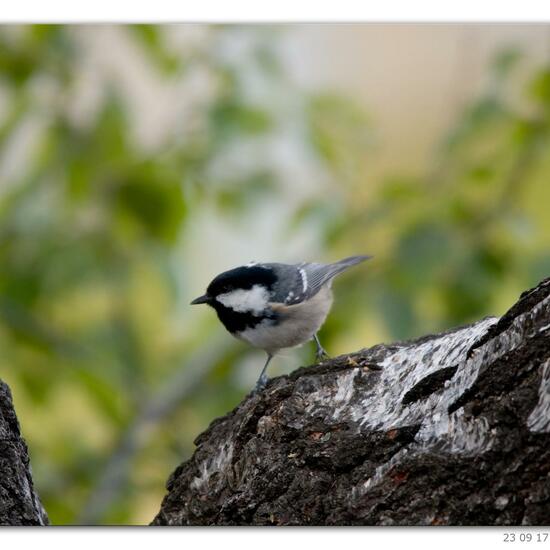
point(298, 324)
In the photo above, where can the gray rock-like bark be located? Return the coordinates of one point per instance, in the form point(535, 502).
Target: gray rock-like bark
point(450, 429)
point(19, 503)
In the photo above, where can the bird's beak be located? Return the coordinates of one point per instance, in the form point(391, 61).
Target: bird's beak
point(201, 300)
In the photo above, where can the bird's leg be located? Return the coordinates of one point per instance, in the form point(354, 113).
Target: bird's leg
point(321, 352)
point(262, 381)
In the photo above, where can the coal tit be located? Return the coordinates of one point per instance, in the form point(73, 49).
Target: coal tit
point(273, 306)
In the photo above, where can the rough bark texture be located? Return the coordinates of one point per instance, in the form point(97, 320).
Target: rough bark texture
point(19, 503)
point(450, 429)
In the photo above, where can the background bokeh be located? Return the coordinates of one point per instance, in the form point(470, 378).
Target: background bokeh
point(137, 162)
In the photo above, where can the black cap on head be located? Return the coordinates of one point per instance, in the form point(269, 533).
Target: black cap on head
point(241, 278)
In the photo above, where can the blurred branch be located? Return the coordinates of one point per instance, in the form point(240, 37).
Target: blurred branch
point(179, 387)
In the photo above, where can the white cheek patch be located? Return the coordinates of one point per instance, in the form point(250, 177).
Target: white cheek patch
point(252, 301)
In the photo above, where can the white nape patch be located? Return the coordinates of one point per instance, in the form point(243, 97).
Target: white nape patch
point(303, 274)
point(251, 264)
point(252, 301)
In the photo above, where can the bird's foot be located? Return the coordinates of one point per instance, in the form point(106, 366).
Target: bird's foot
point(321, 354)
point(261, 383)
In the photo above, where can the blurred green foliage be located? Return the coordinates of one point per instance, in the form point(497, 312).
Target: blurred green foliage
point(112, 376)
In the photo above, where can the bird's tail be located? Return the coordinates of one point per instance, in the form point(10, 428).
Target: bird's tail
point(342, 265)
point(316, 275)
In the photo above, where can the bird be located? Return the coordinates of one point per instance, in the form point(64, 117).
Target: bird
point(273, 306)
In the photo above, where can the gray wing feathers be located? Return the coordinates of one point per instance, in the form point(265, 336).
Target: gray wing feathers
point(297, 283)
point(288, 289)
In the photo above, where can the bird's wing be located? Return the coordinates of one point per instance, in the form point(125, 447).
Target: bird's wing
point(302, 281)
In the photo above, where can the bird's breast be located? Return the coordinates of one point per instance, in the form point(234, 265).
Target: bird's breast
point(289, 326)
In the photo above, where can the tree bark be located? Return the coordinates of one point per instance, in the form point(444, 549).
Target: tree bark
point(449, 429)
point(19, 503)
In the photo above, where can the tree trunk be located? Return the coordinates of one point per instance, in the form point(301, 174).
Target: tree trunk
point(449, 429)
point(19, 503)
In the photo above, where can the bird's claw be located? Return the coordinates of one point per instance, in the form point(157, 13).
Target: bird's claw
point(321, 354)
point(261, 383)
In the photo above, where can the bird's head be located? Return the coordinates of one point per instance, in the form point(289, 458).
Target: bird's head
point(242, 289)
